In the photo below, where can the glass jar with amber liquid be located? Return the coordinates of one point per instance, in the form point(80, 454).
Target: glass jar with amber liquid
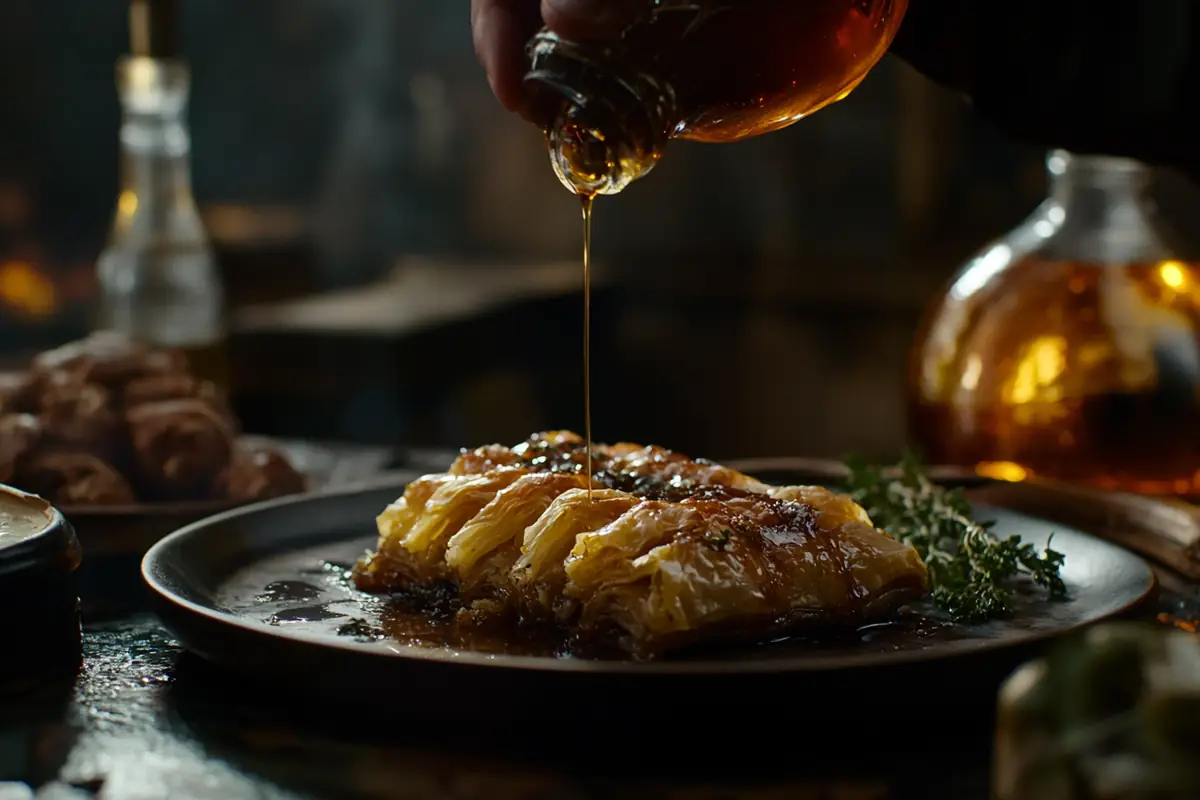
point(705, 70)
point(1070, 348)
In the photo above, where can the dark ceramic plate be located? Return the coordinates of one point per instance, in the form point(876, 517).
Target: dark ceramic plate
point(264, 589)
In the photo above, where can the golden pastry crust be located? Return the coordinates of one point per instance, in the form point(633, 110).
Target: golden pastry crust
point(664, 552)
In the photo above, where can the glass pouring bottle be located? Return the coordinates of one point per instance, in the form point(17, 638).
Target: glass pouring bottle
point(1070, 348)
point(705, 70)
point(158, 275)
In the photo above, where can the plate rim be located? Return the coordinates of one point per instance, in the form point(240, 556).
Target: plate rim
point(152, 564)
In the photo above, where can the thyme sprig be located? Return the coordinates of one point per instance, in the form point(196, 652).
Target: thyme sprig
point(972, 571)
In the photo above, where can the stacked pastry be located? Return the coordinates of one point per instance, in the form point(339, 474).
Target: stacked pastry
point(106, 421)
point(662, 552)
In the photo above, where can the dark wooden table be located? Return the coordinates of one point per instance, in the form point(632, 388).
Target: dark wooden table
point(145, 719)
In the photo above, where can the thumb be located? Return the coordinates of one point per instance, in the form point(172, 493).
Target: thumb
point(584, 20)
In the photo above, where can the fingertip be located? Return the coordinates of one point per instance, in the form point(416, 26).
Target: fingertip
point(499, 45)
point(589, 19)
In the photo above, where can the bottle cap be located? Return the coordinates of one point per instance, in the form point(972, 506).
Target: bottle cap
point(153, 28)
point(39, 603)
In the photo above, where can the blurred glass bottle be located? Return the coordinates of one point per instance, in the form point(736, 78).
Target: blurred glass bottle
point(705, 70)
point(159, 278)
point(1069, 349)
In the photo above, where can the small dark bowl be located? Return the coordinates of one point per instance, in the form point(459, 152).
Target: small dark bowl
point(39, 595)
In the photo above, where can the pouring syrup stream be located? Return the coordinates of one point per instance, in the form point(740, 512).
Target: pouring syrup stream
point(586, 203)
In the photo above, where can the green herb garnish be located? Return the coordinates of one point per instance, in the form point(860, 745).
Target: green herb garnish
point(717, 541)
point(971, 570)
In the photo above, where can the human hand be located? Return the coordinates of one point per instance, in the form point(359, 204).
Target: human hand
point(1040, 72)
point(501, 28)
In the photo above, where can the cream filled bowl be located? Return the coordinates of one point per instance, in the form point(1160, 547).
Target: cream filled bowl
point(39, 599)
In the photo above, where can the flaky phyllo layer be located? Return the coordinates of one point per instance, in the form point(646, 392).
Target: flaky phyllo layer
point(666, 551)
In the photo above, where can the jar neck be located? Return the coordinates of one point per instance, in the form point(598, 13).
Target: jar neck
point(1096, 179)
point(155, 175)
point(1099, 209)
point(606, 122)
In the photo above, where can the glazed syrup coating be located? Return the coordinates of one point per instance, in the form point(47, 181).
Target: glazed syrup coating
point(642, 470)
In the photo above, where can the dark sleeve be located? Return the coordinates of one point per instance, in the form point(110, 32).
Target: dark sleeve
point(1119, 77)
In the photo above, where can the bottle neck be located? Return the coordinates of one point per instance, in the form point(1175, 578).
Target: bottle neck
point(1098, 210)
point(1099, 190)
point(606, 122)
point(158, 276)
point(155, 176)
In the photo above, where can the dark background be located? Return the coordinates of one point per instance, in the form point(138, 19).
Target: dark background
point(760, 299)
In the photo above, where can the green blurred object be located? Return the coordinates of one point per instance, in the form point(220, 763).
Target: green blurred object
point(1113, 714)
